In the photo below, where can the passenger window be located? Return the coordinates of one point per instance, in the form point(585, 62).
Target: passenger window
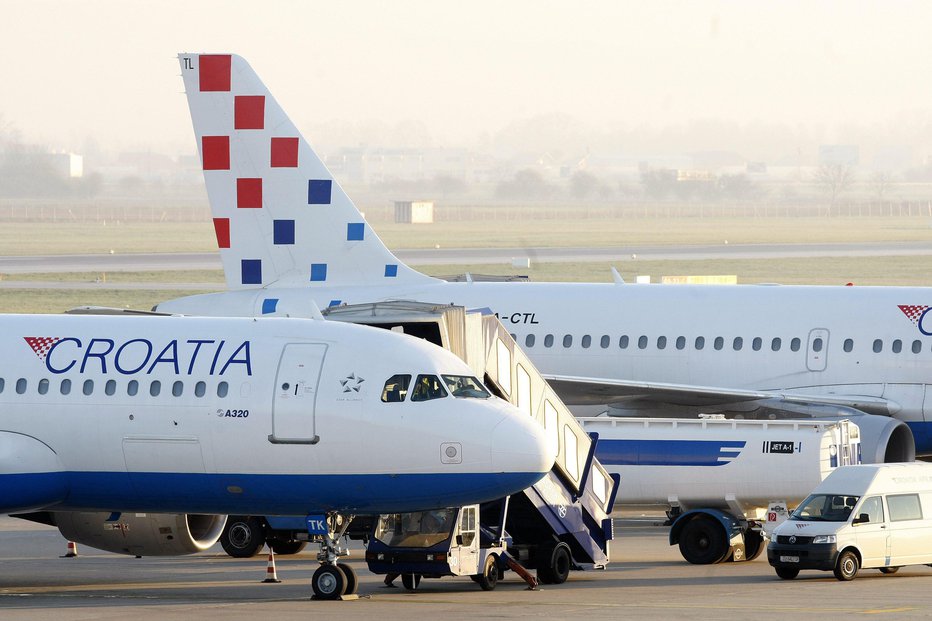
point(2, 384)
point(756, 343)
point(567, 340)
point(110, 388)
point(849, 345)
point(21, 385)
point(222, 389)
point(817, 345)
point(132, 388)
point(177, 388)
point(586, 341)
point(681, 342)
point(897, 346)
point(606, 341)
point(428, 388)
point(878, 346)
point(65, 387)
point(155, 388)
point(200, 389)
point(873, 507)
point(700, 342)
point(661, 342)
point(738, 343)
point(642, 342)
point(775, 344)
point(548, 340)
point(623, 342)
point(529, 340)
point(904, 507)
point(88, 387)
point(43, 386)
point(917, 347)
point(794, 345)
point(718, 343)
point(395, 389)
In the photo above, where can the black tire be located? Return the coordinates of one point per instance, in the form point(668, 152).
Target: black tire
point(352, 580)
point(889, 570)
point(703, 541)
point(243, 536)
point(554, 562)
point(787, 573)
point(847, 566)
point(328, 582)
point(489, 576)
point(411, 581)
point(286, 547)
point(753, 545)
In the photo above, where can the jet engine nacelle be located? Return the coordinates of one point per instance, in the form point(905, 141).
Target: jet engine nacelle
point(884, 439)
point(141, 534)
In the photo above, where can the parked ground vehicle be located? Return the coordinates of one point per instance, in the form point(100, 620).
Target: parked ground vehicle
point(867, 516)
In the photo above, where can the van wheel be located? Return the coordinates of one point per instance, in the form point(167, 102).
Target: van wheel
point(847, 566)
point(787, 573)
point(489, 576)
point(889, 570)
point(703, 541)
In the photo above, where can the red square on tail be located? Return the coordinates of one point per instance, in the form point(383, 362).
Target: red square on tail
point(222, 229)
point(249, 193)
point(214, 72)
point(216, 152)
point(284, 152)
point(249, 112)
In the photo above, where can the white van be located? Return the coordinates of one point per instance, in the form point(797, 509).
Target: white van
point(870, 516)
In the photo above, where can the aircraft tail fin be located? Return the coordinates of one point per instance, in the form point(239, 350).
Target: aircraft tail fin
point(279, 216)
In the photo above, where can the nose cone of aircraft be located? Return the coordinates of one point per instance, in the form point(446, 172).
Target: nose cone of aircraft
point(520, 446)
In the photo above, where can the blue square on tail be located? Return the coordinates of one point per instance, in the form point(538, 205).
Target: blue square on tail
point(318, 272)
point(355, 231)
point(318, 191)
point(251, 271)
point(283, 232)
point(269, 305)
point(391, 271)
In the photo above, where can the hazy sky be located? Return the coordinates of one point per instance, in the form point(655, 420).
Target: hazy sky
point(107, 68)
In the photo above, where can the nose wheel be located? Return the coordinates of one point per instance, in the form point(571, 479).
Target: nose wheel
point(333, 579)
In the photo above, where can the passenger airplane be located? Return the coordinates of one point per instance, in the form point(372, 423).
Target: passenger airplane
point(206, 416)
point(290, 238)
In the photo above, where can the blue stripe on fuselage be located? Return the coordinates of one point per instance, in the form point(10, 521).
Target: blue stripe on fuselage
point(281, 494)
point(667, 452)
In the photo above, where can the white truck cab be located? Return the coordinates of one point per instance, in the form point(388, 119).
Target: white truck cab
point(864, 516)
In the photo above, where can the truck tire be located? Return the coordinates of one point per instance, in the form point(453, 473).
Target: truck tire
point(753, 545)
point(489, 576)
point(889, 570)
point(554, 562)
point(243, 536)
point(847, 566)
point(285, 547)
point(787, 573)
point(703, 541)
point(410, 581)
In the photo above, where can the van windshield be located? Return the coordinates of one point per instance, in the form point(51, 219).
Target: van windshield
point(825, 508)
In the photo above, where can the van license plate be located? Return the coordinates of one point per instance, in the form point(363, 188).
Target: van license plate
point(789, 559)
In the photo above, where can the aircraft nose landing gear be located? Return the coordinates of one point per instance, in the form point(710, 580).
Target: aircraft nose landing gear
point(334, 580)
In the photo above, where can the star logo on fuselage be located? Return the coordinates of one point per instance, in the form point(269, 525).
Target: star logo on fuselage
point(352, 383)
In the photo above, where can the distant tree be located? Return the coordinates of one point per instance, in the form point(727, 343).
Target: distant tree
point(880, 183)
point(583, 184)
point(835, 179)
point(526, 184)
point(659, 182)
point(448, 184)
point(737, 186)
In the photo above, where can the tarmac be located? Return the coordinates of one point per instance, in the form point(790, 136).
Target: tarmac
point(647, 579)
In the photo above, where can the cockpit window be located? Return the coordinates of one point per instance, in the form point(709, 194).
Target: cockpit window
point(465, 386)
point(396, 387)
point(427, 387)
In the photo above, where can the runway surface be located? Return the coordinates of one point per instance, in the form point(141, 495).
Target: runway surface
point(147, 262)
point(647, 580)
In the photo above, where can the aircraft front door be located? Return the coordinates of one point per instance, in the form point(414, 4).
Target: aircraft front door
point(296, 394)
point(817, 350)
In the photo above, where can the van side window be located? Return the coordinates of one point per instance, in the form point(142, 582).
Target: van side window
point(427, 388)
point(873, 507)
point(395, 389)
point(904, 507)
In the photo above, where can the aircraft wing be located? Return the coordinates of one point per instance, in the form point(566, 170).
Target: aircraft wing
point(593, 391)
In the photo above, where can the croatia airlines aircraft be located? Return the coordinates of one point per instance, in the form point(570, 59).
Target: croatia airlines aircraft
point(207, 416)
point(290, 238)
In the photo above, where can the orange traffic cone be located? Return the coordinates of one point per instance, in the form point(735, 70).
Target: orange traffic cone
point(72, 550)
point(270, 575)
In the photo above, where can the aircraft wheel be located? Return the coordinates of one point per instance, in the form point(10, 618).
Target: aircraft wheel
point(328, 582)
point(285, 547)
point(352, 580)
point(554, 562)
point(243, 536)
point(889, 570)
point(847, 566)
point(703, 542)
point(787, 573)
point(489, 576)
point(411, 581)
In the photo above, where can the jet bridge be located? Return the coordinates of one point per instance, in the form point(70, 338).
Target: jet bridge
point(566, 511)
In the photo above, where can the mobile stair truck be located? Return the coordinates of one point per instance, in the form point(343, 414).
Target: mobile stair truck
point(725, 484)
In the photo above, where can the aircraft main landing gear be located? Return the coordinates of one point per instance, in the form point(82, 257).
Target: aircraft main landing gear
point(333, 579)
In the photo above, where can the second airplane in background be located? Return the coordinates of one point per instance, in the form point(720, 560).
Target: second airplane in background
point(291, 239)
